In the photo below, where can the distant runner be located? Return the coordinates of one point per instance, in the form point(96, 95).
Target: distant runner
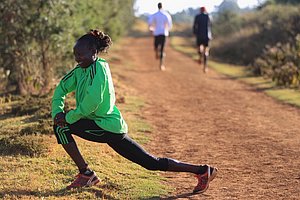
point(96, 117)
point(160, 23)
point(202, 31)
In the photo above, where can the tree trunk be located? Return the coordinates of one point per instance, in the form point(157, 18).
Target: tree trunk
point(21, 87)
point(47, 70)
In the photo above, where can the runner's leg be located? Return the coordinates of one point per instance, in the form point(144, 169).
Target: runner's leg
point(156, 44)
point(162, 41)
point(205, 56)
point(204, 60)
point(198, 45)
point(201, 53)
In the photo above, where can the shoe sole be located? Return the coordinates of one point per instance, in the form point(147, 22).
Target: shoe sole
point(210, 178)
point(93, 183)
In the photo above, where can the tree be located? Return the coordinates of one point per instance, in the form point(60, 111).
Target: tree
point(29, 31)
point(36, 37)
point(229, 6)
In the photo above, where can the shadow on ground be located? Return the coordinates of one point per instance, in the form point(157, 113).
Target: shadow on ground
point(179, 196)
point(59, 193)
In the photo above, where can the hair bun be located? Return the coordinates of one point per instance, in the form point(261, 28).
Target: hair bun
point(103, 41)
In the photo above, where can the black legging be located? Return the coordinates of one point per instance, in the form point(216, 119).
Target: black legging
point(121, 143)
point(159, 41)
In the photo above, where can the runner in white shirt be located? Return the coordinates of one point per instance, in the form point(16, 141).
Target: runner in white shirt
point(159, 24)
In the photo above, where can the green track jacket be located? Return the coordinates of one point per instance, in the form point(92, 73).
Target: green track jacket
point(95, 97)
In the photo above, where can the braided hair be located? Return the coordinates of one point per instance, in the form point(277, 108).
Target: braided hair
point(97, 39)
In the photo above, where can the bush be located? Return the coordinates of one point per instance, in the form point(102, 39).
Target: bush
point(245, 36)
point(281, 63)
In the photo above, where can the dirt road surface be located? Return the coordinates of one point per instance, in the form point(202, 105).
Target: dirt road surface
point(209, 118)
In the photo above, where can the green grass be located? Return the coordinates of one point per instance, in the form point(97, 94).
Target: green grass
point(290, 96)
point(285, 95)
point(229, 70)
point(47, 174)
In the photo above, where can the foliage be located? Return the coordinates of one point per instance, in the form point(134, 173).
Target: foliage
point(229, 6)
point(281, 63)
point(36, 37)
point(282, 2)
point(251, 32)
point(266, 41)
point(226, 23)
point(28, 32)
point(185, 16)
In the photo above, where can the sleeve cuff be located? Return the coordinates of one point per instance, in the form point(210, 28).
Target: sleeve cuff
point(71, 117)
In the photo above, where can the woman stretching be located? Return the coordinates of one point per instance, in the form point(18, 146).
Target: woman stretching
point(96, 117)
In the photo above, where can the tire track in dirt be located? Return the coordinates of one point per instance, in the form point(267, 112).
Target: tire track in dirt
point(208, 118)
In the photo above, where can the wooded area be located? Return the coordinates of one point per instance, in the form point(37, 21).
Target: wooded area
point(36, 37)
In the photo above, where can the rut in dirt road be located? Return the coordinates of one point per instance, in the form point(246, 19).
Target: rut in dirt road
point(208, 118)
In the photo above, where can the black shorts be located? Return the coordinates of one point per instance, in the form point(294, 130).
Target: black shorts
point(202, 41)
point(159, 40)
point(86, 129)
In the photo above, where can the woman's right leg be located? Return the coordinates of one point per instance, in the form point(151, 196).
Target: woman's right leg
point(64, 137)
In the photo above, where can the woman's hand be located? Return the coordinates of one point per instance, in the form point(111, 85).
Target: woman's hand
point(60, 119)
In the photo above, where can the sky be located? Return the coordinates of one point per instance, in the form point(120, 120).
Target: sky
point(173, 6)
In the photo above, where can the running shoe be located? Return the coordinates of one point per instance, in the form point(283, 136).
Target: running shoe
point(204, 179)
point(84, 181)
point(162, 68)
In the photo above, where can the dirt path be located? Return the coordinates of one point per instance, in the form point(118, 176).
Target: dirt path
point(251, 138)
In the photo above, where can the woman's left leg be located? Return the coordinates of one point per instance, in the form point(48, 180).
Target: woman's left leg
point(131, 150)
point(135, 153)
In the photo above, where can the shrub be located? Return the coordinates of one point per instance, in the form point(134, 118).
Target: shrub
point(281, 63)
point(240, 39)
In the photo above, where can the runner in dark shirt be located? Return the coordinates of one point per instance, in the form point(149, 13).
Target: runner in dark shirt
point(202, 31)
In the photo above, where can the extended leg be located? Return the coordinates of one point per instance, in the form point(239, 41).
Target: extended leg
point(177, 166)
point(135, 153)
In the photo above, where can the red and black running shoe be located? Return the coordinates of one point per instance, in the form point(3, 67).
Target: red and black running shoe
point(204, 179)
